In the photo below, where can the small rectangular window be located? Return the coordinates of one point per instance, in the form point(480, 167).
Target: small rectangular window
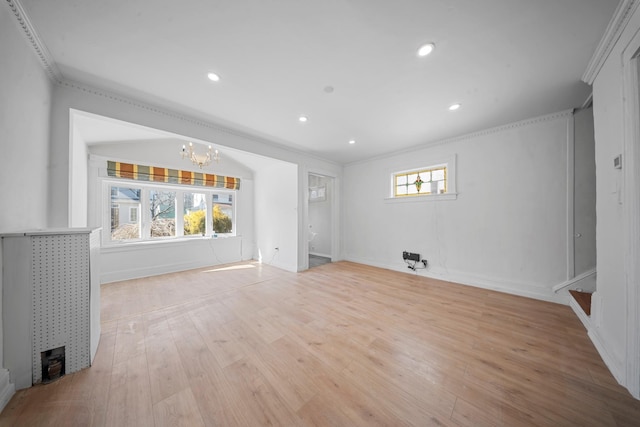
point(133, 214)
point(427, 181)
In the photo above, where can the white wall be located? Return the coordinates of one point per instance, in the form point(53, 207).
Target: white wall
point(25, 98)
point(166, 153)
point(612, 316)
point(78, 180)
point(585, 193)
point(25, 93)
point(74, 96)
point(507, 230)
point(276, 217)
point(151, 258)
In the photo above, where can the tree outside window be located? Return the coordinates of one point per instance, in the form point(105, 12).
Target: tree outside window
point(223, 213)
point(154, 212)
point(162, 208)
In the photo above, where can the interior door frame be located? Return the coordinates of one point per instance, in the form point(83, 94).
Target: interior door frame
point(631, 209)
point(334, 198)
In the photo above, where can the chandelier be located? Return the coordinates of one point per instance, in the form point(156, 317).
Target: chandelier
point(199, 159)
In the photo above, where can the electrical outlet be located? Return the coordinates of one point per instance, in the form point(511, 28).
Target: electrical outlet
point(424, 262)
point(277, 249)
point(410, 256)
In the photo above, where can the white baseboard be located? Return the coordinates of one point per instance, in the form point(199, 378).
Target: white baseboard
point(528, 290)
point(586, 281)
point(137, 273)
point(7, 389)
point(615, 366)
point(586, 320)
point(320, 254)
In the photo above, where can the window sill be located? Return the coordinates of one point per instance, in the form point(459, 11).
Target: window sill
point(426, 198)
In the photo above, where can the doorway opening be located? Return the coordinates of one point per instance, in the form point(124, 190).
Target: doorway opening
point(320, 226)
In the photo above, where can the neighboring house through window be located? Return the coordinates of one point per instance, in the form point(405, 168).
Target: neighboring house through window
point(201, 212)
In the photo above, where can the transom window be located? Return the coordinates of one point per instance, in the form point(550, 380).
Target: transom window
point(427, 181)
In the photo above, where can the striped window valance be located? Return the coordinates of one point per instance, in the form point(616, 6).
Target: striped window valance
point(172, 176)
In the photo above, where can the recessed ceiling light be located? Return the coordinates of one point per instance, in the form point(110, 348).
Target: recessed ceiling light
point(213, 77)
point(454, 107)
point(352, 141)
point(303, 119)
point(426, 49)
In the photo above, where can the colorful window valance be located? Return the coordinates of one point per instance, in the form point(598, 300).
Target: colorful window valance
point(172, 176)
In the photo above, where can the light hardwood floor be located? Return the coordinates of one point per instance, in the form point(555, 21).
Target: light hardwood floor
point(339, 345)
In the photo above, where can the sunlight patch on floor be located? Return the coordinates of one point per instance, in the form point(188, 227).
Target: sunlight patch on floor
point(230, 268)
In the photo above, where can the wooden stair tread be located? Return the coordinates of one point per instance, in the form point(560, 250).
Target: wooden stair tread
point(583, 299)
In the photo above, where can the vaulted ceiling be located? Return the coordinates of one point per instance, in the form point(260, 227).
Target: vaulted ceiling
point(349, 66)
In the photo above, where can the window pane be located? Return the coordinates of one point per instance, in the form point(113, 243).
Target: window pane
point(124, 202)
point(438, 175)
point(162, 206)
point(195, 213)
point(433, 181)
point(223, 213)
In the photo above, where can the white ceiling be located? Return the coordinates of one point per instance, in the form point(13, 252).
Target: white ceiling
point(503, 60)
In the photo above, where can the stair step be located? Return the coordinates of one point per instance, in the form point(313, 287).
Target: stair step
point(583, 299)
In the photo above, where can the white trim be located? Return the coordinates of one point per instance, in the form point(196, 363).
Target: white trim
point(618, 22)
point(631, 210)
point(29, 32)
point(588, 103)
point(334, 199)
point(7, 388)
point(320, 254)
point(586, 321)
point(490, 131)
point(167, 111)
point(422, 199)
point(232, 248)
point(574, 280)
point(529, 290)
point(138, 273)
point(615, 366)
point(571, 177)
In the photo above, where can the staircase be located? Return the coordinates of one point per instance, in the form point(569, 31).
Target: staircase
point(583, 299)
point(583, 286)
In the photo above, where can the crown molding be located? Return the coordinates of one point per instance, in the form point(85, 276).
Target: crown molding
point(29, 31)
point(616, 26)
point(52, 70)
point(497, 129)
point(167, 112)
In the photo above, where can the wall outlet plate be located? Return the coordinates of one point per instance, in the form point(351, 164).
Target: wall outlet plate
point(617, 161)
point(410, 256)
